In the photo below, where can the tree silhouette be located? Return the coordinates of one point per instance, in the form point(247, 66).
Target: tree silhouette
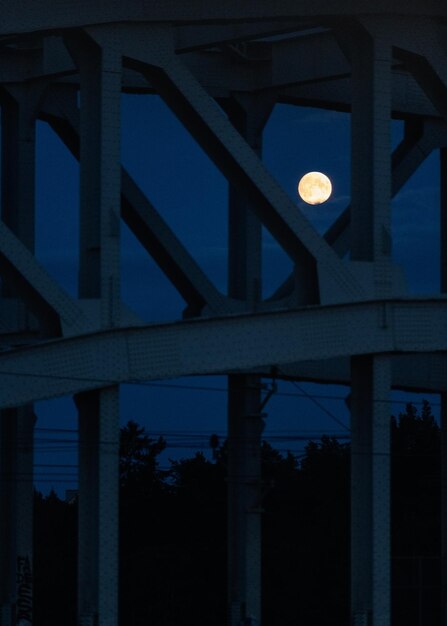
point(144, 511)
point(139, 459)
point(416, 517)
point(55, 548)
point(173, 535)
point(306, 539)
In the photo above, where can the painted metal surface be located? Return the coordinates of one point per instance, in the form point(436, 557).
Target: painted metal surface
point(217, 346)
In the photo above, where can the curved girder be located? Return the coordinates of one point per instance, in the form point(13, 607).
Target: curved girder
point(30, 16)
point(221, 345)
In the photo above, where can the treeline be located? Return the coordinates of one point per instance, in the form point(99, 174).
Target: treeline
point(173, 534)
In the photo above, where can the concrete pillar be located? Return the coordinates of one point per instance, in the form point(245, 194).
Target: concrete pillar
point(16, 516)
point(245, 422)
point(100, 63)
point(16, 425)
point(370, 411)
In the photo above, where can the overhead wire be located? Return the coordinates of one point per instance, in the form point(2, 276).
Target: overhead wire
point(319, 405)
point(184, 439)
point(206, 388)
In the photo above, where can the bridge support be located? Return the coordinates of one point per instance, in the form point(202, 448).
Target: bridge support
point(443, 286)
point(17, 424)
point(98, 507)
point(248, 55)
point(100, 64)
point(370, 376)
point(370, 492)
point(245, 422)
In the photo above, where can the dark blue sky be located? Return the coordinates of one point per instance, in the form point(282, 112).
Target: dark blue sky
point(192, 196)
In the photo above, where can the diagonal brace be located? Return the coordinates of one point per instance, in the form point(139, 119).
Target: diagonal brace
point(166, 249)
point(44, 297)
point(238, 162)
point(419, 141)
point(144, 220)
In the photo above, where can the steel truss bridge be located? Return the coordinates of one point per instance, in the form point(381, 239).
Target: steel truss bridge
point(344, 314)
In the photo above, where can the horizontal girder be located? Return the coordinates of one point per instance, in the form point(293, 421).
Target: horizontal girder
point(221, 345)
point(31, 16)
point(309, 69)
point(416, 372)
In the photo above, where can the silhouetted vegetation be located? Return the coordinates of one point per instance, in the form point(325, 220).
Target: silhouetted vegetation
point(416, 517)
point(173, 534)
point(55, 547)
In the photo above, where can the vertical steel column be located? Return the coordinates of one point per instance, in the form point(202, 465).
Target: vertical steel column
point(370, 492)
point(18, 162)
point(444, 508)
point(443, 286)
point(245, 421)
point(8, 489)
point(371, 158)
point(18, 176)
point(100, 69)
point(370, 419)
point(100, 175)
point(16, 425)
point(98, 507)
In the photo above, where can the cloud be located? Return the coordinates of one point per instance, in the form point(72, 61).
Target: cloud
point(318, 116)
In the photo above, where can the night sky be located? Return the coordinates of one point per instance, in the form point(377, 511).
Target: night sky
point(192, 196)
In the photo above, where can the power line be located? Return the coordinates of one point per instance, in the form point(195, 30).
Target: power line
point(161, 385)
point(320, 406)
point(171, 441)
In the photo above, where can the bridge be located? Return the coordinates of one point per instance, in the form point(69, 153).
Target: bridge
point(343, 315)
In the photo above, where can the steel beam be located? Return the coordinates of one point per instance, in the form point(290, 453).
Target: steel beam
point(100, 65)
point(32, 16)
point(245, 426)
point(420, 139)
point(352, 325)
point(16, 424)
point(309, 69)
point(60, 111)
point(371, 376)
point(444, 509)
point(229, 344)
point(17, 176)
point(370, 492)
point(443, 288)
point(245, 422)
point(191, 38)
point(169, 253)
point(98, 507)
point(421, 373)
point(194, 107)
point(57, 312)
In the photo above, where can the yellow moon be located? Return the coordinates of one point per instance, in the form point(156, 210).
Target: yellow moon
point(314, 188)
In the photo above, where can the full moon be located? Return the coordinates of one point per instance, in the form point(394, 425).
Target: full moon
point(314, 188)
